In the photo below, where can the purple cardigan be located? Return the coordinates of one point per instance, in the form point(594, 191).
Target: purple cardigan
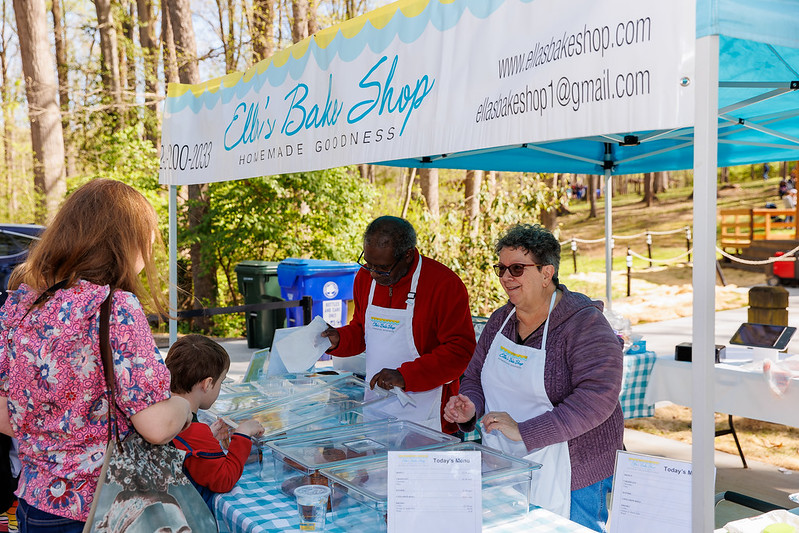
point(582, 377)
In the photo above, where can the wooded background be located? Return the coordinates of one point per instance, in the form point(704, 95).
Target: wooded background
point(81, 87)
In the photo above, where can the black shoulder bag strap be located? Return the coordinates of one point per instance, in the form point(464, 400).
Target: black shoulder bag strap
point(108, 365)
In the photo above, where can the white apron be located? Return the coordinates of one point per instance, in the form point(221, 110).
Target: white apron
point(513, 382)
point(389, 343)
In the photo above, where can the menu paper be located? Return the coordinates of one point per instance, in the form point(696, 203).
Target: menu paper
point(434, 491)
point(651, 494)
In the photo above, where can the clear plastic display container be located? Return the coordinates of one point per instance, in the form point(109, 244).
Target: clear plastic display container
point(227, 404)
point(255, 394)
point(360, 415)
point(360, 488)
point(342, 395)
point(298, 459)
point(230, 387)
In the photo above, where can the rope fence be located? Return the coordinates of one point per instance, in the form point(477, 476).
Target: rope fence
point(573, 243)
point(685, 257)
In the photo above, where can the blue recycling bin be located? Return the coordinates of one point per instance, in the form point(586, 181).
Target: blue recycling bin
point(329, 283)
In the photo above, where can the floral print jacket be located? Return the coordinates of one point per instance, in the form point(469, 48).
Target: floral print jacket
point(52, 375)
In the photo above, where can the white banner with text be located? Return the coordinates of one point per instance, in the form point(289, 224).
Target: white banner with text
point(423, 77)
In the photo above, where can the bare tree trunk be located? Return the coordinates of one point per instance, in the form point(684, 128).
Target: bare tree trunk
point(491, 182)
point(592, 181)
point(263, 24)
point(549, 218)
point(408, 191)
point(428, 179)
point(127, 61)
point(280, 6)
point(725, 175)
point(367, 172)
point(149, 47)
point(203, 265)
point(659, 182)
point(63, 81)
point(313, 25)
point(110, 51)
point(227, 35)
point(47, 135)
point(472, 183)
point(649, 192)
point(299, 26)
point(168, 38)
point(8, 132)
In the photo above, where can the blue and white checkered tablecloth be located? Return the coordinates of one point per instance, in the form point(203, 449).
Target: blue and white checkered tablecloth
point(258, 506)
point(637, 368)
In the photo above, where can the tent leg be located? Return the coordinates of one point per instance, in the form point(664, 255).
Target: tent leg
point(173, 264)
point(704, 274)
point(608, 229)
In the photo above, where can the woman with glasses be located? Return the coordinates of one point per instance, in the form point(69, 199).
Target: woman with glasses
point(544, 381)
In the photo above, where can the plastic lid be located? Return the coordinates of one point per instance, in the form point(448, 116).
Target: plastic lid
point(311, 494)
point(257, 267)
point(289, 269)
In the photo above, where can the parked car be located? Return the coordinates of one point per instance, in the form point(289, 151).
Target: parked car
point(15, 239)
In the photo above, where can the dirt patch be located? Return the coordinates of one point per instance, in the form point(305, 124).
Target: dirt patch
point(663, 293)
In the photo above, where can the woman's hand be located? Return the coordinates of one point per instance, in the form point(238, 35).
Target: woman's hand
point(459, 409)
point(498, 420)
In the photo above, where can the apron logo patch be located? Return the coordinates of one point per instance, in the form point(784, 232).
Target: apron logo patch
point(384, 324)
point(511, 358)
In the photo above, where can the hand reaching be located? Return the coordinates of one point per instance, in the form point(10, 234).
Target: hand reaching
point(459, 409)
point(250, 427)
point(332, 334)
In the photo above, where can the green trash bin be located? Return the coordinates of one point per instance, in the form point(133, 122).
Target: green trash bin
point(258, 284)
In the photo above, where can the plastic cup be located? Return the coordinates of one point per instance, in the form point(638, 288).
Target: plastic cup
point(265, 460)
point(312, 506)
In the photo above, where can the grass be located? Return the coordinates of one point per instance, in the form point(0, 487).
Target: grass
point(664, 292)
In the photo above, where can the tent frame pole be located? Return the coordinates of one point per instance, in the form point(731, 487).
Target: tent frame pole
point(704, 283)
point(608, 227)
point(173, 264)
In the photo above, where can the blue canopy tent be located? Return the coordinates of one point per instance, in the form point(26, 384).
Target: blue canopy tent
point(415, 84)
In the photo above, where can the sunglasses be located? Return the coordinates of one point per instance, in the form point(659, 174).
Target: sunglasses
point(516, 269)
point(385, 273)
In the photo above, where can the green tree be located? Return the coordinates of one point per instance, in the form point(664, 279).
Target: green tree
point(318, 215)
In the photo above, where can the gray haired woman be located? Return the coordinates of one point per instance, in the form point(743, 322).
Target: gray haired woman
point(545, 380)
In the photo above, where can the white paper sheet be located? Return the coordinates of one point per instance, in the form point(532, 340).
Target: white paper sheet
point(404, 397)
point(756, 524)
point(303, 347)
point(651, 494)
point(434, 491)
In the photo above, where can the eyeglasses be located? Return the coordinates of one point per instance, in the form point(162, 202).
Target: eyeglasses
point(385, 273)
point(516, 269)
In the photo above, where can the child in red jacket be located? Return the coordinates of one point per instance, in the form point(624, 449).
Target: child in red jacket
point(198, 366)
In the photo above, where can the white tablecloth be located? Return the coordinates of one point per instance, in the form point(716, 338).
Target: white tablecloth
point(740, 390)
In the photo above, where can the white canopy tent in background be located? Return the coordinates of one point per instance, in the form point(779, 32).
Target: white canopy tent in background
point(579, 86)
